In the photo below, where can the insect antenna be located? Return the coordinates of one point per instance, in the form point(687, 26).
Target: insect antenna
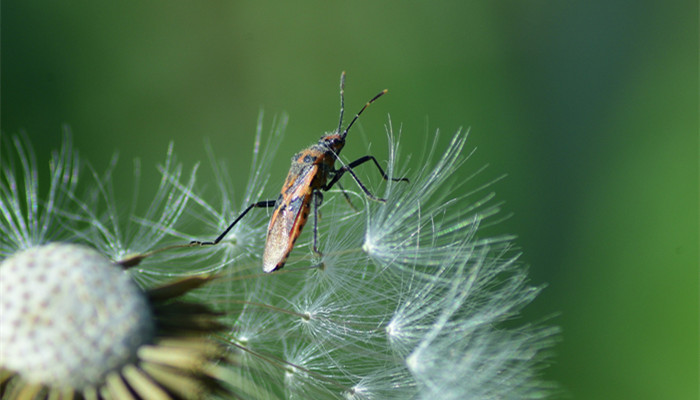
point(345, 132)
point(342, 100)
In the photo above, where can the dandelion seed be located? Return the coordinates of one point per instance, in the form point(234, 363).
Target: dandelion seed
point(427, 224)
point(26, 220)
point(95, 218)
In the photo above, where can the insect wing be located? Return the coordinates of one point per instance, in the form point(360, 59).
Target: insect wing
point(289, 218)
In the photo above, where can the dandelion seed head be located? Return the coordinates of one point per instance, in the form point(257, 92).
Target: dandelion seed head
point(69, 316)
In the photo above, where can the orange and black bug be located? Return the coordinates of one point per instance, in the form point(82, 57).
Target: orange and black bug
point(312, 171)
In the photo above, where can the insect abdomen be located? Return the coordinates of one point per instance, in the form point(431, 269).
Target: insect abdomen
point(289, 218)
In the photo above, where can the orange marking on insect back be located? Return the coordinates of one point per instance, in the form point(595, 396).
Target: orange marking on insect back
point(289, 216)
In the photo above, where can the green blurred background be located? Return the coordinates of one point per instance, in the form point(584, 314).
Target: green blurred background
point(591, 108)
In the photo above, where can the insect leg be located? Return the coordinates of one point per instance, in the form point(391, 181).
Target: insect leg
point(347, 198)
point(364, 159)
point(318, 199)
point(348, 168)
point(260, 204)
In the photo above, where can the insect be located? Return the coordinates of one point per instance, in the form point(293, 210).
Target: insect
point(312, 171)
